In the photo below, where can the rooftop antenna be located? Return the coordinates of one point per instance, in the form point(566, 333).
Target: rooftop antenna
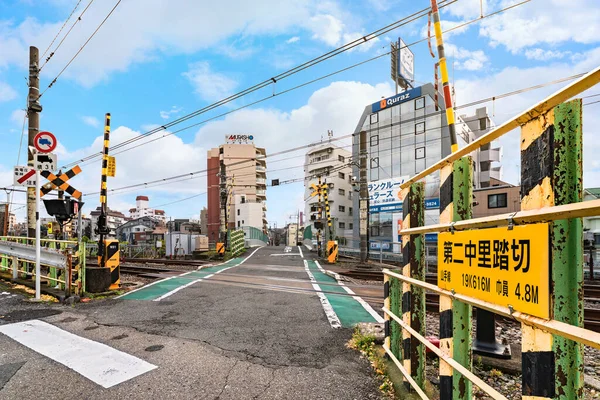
point(330, 134)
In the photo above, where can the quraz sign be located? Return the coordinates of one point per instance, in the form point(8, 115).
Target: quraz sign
point(397, 99)
point(239, 138)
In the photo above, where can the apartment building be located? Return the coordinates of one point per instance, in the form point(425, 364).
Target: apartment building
point(142, 209)
point(236, 168)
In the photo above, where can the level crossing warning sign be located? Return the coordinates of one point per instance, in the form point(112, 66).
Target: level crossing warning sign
point(499, 265)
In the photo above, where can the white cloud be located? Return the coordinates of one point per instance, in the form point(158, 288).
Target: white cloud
point(513, 78)
point(332, 31)
point(293, 39)
point(172, 111)
point(17, 117)
point(466, 59)
point(556, 22)
point(207, 84)
point(91, 121)
point(7, 93)
point(545, 55)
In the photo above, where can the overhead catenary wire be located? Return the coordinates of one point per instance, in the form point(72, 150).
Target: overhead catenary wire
point(80, 49)
point(286, 74)
point(224, 101)
point(59, 32)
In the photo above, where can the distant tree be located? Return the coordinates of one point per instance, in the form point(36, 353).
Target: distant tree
point(85, 239)
point(87, 231)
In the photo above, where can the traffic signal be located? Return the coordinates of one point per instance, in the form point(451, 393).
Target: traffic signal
point(62, 209)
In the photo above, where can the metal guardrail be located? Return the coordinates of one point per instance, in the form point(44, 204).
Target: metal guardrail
point(551, 193)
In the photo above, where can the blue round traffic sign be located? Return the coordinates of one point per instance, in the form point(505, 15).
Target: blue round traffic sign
point(44, 142)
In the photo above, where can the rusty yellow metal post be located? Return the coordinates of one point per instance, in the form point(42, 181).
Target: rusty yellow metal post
point(405, 300)
point(551, 174)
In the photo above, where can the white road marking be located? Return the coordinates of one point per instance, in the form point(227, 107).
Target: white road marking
point(98, 362)
point(164, 296)
point(153, 283)
point(300, 250)
point(285, 254)
point(332, 317)
point(363, 303)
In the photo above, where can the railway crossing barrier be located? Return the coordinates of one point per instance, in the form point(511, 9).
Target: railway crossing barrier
point(62, 260)
point(527, 266)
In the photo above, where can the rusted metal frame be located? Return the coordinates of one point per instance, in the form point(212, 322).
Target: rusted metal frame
point(455, 364)
point(462, 321)
point(403, 371)
point(417, 270)
point(407, 205)
point(545, 214)
point(567, 247)
point(585, 82)
point(574, 333)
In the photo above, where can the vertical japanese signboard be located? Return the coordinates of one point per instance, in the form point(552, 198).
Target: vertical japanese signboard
point(499, 265)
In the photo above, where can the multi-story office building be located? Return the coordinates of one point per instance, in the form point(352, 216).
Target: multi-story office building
point(142, 209)
point(332, 164)
point(235, 168)
point(407, 133)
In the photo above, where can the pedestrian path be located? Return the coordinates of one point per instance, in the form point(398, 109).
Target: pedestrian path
point(164, 288)
point(347, 310)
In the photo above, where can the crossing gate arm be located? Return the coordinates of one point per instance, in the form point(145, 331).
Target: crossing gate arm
point(564, 94)
point(26, 252)
point(568, 331)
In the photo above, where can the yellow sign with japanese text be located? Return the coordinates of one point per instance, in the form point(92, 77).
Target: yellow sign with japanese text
point(111, 168)
point(498, 265)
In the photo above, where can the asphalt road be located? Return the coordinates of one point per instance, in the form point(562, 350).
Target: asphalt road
point(252, 331)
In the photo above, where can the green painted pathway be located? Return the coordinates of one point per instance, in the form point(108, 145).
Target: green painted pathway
point(169, 286)
point(349, 311)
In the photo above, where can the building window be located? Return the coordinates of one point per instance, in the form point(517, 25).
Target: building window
point(374, 118)
point(482, 124)
point(374, 162)
point(238, 211)
point(374, 140)
point(341, 208)
point(349, 210)
point(238, 223)
point(419, 103)
point(350, 225)
point(341, 192)
point(497, 200)
point(419, 153)
point(341, 175)
point(419, 128)
point(375, 230)
point(342, 225)
point(341, 158)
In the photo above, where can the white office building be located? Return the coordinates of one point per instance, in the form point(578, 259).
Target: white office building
point(142, 209)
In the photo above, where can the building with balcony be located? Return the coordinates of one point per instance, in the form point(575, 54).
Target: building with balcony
point(236, 172)
point(142, 209)
point(332, 164)
point(114, 219)
point(486, 159)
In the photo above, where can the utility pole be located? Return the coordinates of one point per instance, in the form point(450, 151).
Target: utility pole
point(33, 113)
point(363, 198)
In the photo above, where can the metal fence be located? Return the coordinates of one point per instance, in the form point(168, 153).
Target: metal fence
point(551, 203)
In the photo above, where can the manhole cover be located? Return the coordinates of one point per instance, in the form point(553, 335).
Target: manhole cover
point(25, 315)
point(155, 347)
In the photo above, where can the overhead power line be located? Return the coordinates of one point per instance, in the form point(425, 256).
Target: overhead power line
point(80, 49)
point(348, 46)
point(224, 101)
point(60, 30)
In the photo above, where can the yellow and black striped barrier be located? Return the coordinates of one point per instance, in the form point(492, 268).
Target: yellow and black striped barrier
point(332, 251)
point(220, 248)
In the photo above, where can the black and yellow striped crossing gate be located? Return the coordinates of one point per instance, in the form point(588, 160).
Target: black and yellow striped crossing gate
point(526, 265)
point(332, 251)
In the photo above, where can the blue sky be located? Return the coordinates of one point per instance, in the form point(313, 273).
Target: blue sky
point(155, 60)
